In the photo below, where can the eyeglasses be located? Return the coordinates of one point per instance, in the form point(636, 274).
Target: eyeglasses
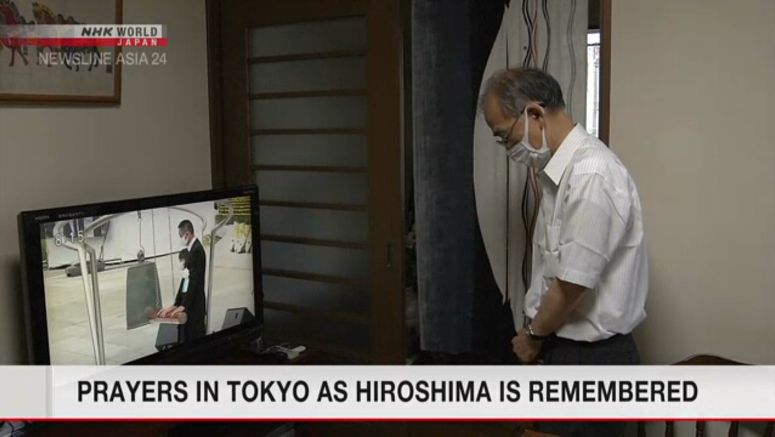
point(505, 140)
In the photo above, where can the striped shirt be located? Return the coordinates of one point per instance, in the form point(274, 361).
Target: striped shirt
point(589, 232)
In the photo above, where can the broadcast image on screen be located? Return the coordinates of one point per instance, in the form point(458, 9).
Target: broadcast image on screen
point(123, 286)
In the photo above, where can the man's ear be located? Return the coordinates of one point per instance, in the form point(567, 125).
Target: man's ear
point(535, 111)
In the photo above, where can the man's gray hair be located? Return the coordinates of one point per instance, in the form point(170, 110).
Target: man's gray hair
point(515, 87)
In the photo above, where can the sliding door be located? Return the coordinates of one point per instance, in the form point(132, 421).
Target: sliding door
point(306, 104)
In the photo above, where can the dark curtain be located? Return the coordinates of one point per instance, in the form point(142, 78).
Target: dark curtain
point(460, 306)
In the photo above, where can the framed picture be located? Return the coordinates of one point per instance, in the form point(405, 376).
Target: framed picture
point(46, 74)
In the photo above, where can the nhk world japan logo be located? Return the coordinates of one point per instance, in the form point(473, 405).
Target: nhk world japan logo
point(88, 45)
point(85, 35)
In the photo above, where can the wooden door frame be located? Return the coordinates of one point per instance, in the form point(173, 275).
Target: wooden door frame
point(385, 142)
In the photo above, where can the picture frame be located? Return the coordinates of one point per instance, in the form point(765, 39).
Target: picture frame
point(33, 74)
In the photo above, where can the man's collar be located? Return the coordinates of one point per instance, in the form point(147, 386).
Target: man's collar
point(562, 157)
point(191, 244)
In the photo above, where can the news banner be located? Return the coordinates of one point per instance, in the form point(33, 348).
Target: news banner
point(388, 393)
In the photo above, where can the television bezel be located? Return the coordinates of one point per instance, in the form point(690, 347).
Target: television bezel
point(198, 351)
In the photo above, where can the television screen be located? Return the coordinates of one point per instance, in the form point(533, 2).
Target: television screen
point(117, 282)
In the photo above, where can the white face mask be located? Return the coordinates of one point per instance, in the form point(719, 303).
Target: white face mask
point(526, 154)
point(183, 242)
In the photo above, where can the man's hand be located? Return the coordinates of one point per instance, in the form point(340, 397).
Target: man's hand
point(165, 312)
point(526, 348)
point(178, 310)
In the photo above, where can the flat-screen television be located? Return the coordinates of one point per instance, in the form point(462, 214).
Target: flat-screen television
point(160, 279)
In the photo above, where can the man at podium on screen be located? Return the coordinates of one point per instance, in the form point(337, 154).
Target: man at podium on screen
point(190, 298)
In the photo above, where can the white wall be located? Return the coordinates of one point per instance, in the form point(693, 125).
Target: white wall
point(693, 117)
point(155, 142)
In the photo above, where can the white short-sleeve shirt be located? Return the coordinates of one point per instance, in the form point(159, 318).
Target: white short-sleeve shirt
point(589, 232)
